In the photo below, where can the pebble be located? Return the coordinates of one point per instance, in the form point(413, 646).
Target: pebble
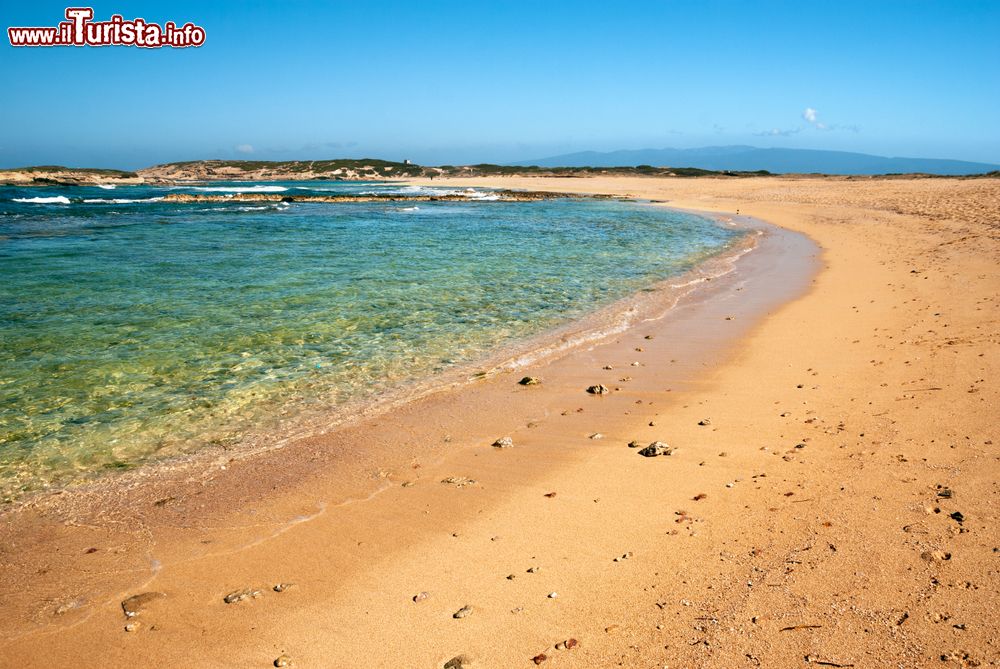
point(462, 612)
point(503, 442)
point(596, 435)
point(458, 481)
point(131, 627)
point(533, 570)
point(553, 595)
point(599, 389)
point(623, 557)
point(240, 595)
point(568, 644)
point(283, 661)
point(420, 596)
point(281, 587)
point(458, 662)
point(634, 444)
point(530, 381)
point(538, 659)
point(657, 448)
point(705, 421)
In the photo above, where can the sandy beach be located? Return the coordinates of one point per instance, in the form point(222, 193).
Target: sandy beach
point(828, 497)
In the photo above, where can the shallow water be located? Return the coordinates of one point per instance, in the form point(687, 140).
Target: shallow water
point(133, 328)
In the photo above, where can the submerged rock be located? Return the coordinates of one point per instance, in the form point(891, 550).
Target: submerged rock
point(134, 605)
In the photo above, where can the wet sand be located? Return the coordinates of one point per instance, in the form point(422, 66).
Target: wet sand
point(831, 498)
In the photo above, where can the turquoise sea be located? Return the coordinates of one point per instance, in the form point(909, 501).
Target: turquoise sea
point(132, 328)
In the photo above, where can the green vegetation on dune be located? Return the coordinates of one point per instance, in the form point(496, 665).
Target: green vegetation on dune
point(49, 169)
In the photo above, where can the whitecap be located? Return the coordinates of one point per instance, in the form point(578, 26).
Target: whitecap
point(241, 189)
point(58, 199)
point(107, 186)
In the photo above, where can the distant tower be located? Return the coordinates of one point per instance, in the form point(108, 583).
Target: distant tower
point(406, 162)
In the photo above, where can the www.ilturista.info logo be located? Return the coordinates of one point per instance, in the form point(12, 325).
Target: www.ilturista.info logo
point(80, 30)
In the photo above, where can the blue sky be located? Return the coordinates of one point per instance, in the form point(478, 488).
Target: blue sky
point(459, 82)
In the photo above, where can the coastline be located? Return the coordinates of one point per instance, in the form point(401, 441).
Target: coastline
point(287, 425)
point(341, 595)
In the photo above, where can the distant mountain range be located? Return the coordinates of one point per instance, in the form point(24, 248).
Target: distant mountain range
point(750, 158)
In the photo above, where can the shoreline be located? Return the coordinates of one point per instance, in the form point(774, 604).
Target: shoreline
point(359, 567)
point(591, 327)
point(155, 481)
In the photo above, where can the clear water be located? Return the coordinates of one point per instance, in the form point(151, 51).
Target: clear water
point(138, 329)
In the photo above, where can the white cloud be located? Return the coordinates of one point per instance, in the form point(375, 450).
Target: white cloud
point(244, 148)
point(810, 114)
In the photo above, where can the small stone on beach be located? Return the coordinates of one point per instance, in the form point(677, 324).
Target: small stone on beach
point(503, 442)
point(657, 448)
point(530, 381)
point(283, 661)
point(599, 389)
point(462, 612)
point(240, 595)
point(458, 481)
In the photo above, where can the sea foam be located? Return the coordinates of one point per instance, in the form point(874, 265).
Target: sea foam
point(58, 199)
point(241, 189)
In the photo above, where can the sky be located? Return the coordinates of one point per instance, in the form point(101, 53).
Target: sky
point(466, 82)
